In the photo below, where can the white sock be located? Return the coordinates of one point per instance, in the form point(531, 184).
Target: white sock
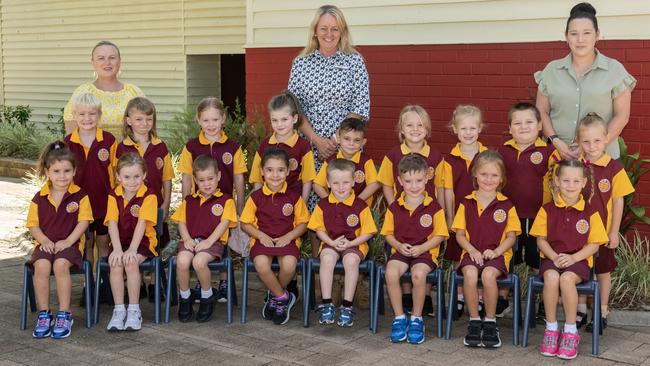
point(120, 307)
point(206, 293)
point(185, 294)
point(135, 307)
point(413, 317)
point(570, 328)
point(490, 320)
point(471, 319)
point(582, 308)
point(552, 326)
point(400, 317)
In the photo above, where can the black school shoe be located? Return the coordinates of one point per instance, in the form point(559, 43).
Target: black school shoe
point(490, 337)
point(581, 320)
point(427, 309)
point(540, 317)
point(293, 288)
point(502, 306)
point(185, 309)
point(603, 325)
point(473, 337)
point(206, 307)
point(407, 303)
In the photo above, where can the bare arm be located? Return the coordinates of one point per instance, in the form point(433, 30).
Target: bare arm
point(320, 191)
point(369, 190)
point(239, 191)
point(544, 106)
point(306, 190)
point(617, 215)
point(389, 195)
point(326, 146)
point(449, 207)
point(47, 245)
point(73, 237)
point(621, 115)
point(258, 234)
point(186, 185)
point(167, 195)
point(476, 256)
point(214, 236)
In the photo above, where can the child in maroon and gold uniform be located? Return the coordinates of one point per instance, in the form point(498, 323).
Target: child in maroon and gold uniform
point(486, 226)
point(344, 234)
point(275, 218)
point(569, 232)
point(203, 221)
point(130, 216)
point(58, 216)
point(414, 226)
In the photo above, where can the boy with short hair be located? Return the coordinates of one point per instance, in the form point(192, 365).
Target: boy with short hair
point(414, 226)
point(344, 235)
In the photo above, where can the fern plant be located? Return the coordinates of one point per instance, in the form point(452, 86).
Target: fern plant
point(636, 168)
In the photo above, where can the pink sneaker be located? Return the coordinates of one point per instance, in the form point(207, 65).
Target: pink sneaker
point(568, 346)
point(550, 343)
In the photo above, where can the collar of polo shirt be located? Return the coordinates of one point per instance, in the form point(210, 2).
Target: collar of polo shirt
point(355, 158)
point(402, 201)
point(406, 150)
point(291, 141)
point(45, 190)
point(602, 161)
point(268, 192)
point(204, 140)
point(119, 190)
point(559, 202)
point(99, 135)
point(538, 143)
point(348, 201)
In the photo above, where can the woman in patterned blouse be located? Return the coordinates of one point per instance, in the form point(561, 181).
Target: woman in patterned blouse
point(330, 79)
point(114, 94)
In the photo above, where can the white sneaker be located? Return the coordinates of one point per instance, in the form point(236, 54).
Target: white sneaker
point(117, 321)
point(133, 320)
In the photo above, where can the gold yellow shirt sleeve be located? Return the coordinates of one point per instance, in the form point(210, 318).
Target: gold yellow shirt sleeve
point(540, 225)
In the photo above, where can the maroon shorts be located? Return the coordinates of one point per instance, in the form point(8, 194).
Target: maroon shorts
point(72, 254)
point(259, 249)
point(411, 261)
point(580, 268)
point(605, 261)
point(452, 250)
point(98, 227)
point(498, 263)
point(215, 250)
point(354, 250)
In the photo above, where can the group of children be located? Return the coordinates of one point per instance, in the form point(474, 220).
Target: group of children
point(559, 210)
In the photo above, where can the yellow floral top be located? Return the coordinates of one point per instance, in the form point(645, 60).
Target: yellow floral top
point(113, 105)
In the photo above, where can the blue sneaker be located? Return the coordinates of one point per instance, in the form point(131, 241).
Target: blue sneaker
point(62, 325)
point(398, 330)
point(416, 331)
point(346, 317)
point(326, 313)
point(43, 327)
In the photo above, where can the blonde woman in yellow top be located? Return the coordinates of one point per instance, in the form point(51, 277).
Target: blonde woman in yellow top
point(113, 94)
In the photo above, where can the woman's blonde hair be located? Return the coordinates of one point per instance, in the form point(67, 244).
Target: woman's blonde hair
point(422, 115)
point(345, 42)
point(142, 105)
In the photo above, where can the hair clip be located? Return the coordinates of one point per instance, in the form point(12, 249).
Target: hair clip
point(586, 163)
point(57, 145)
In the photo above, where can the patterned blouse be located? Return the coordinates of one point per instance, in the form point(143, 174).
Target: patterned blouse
point(328, 88)
point(113, 105)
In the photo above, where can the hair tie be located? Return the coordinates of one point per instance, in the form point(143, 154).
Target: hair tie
point(586, 163)
point(57, 146)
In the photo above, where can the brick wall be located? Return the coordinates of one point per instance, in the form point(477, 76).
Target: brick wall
point(491, 76)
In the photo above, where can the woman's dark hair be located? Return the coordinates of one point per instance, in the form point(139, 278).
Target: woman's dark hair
point(582, 11)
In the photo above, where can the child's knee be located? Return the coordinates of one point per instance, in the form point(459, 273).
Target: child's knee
point(489, 276)
point(132, 267)
point(470, 274)
point(61, 267)
point(200, 262)
point(351, 260)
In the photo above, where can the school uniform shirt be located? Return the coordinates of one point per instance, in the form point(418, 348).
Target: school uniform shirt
point(486, 227)
point(94, 172)
point(365, 172)
point(202, 215)
point(158, 160)
point(58, 222)
point(610, 181)
point(457, 172)
point(415, 226)
point(142, 206)
point(227, 153)
point(350, 218)
point(389, 169)
point(275, 213)
point(527, 175)
point(301, 161)
point(569, 228)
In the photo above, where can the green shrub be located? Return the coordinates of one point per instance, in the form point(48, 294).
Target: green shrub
point(18, 115)
point(635, 168)
point(22, 141)
point(631, 279)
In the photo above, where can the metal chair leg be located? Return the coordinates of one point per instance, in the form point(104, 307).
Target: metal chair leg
point(88, 284)
point(23, 302)
point(244, 295)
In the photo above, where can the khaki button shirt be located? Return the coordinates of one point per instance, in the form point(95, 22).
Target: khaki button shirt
point(572, 98)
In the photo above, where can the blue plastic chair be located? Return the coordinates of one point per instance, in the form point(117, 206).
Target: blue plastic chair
point(225, 264)
point(434, 277)
point(313, 264)
point(28, 292)
point(150, 265)
point(511, 281)
point(590, 287)
point(249, 266)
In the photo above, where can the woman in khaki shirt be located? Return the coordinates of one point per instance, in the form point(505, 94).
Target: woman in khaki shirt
point(584, 81)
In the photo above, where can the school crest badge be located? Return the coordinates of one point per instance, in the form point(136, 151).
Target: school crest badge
point(226, 158)
point(604, 185)
point(160, 163)
point(426, 220)
point(431, 172)
point(72, 207)
point(500, 215)
point(536, 158)
point(582, 226)
point(293, 164)
point(359, 176)
point(135, 210)
point(217, 209)
point(287, 209)
point(103, 154)
point(352, 220)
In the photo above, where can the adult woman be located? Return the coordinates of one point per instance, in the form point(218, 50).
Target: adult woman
point(584, 81)
point(330, 80)
point(114, 94)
